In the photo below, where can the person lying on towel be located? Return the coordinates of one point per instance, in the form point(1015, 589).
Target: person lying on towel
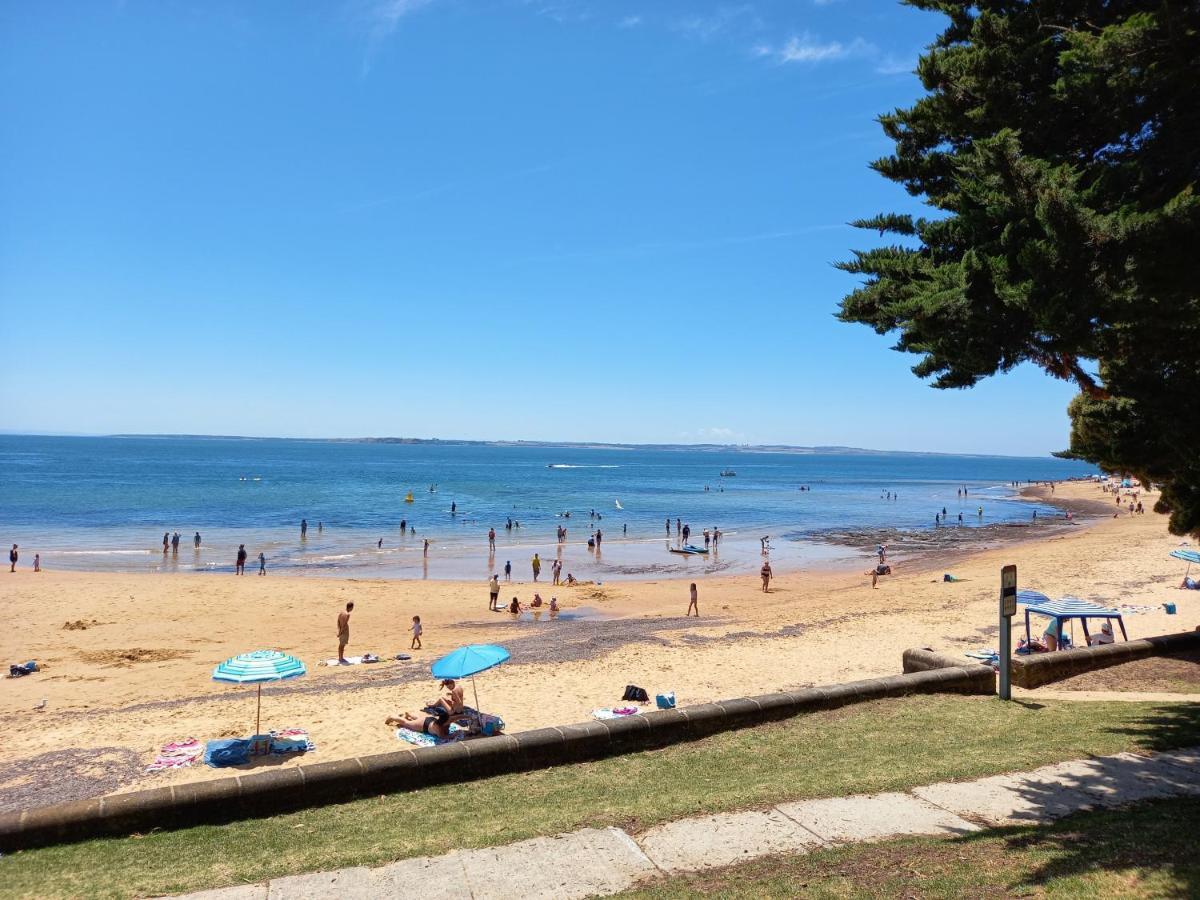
point(434, 718)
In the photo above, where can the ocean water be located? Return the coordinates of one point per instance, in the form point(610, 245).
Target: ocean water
point(104, 503)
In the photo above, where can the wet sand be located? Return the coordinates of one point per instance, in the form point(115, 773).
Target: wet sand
point(133, 669)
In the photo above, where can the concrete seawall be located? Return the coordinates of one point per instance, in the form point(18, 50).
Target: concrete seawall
point(266, 793)
point(1044, 668)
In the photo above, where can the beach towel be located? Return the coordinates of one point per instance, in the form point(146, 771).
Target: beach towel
point(619, 712)
point(420, 739)
point(291, 740)
point(353, 660)
point(402, 656)
point(1134, 608)
point(176, 755)
point(227, 753)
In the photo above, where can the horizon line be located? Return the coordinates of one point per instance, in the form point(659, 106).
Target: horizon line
point(615, 445)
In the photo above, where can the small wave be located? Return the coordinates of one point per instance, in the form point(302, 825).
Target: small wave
point(337, 556)
point(101, 552)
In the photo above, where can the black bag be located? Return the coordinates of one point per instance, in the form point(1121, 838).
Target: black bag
point(636, 694)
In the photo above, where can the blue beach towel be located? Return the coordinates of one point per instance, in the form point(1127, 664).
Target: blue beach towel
point(232, 752)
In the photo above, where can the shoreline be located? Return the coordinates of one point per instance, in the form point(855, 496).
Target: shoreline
point(127, 658)
point(629, 558)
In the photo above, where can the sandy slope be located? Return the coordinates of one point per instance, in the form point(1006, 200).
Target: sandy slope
point(139, 675)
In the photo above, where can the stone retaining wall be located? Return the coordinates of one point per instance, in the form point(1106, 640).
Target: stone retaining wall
point(265, 793)
point(1043, 668)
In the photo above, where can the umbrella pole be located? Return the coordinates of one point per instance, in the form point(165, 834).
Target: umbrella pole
point(478, 711)
point(258, 714)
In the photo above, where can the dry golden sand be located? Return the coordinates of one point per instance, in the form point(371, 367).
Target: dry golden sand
point(138, 673)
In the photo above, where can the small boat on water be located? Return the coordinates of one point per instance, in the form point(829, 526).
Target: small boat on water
point(728, 473)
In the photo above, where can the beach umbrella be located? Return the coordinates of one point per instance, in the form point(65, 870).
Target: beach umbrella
point(469, 661)
point(1027, 597)
point(258, 667)
point(1189, 557)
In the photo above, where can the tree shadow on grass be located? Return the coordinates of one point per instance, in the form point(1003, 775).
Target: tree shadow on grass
point(1118, 812)
point(1154, 838)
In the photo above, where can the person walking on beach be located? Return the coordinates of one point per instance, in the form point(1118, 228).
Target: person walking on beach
point(416, 633)
point(262, 563)
point(196, 541)
point(692, 602)
point(765, 572)
point(493, 593)
point(343, 632)
point(556, 570)
point(13, 556)
point(492, 539)
point(37, 562)
point(508, 570)
point(536, 562)
point(241, 560)
point(303, 528)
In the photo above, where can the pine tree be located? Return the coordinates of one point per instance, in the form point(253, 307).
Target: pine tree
point(1058, 146)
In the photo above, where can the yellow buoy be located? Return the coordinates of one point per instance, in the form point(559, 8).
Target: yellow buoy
point(409, 498)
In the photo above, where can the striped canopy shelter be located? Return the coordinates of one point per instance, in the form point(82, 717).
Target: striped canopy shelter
point(259, 668)
point(1067, 608)
point(1189, 557)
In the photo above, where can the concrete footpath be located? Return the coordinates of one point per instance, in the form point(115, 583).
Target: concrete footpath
point(597, 862)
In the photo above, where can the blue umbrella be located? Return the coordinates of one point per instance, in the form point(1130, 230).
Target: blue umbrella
point(469, 661)
point(256, 668)
point(1189, 557)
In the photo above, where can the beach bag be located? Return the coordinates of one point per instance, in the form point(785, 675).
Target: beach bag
point(636, 694)
point(665, 701)
point(231, 752)
point(22, 669)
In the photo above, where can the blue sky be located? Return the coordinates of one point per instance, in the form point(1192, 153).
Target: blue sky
point(567, 219)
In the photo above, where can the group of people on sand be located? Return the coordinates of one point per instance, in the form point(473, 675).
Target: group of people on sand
point(14, 555)
point(515, 606)
point(343, 632)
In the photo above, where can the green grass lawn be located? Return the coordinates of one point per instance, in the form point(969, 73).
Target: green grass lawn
point(1146, 851)
point(885, 745)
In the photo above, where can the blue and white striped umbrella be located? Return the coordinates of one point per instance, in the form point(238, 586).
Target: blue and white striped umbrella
point(259, 667)
point(1027, 596)
point(1189, 557)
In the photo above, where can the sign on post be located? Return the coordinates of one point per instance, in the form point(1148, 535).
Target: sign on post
point(1008, 609)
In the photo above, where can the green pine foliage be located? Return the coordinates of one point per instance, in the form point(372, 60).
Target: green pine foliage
point(1058, 146)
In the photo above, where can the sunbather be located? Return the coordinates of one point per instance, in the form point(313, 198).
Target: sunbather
point(434, 717)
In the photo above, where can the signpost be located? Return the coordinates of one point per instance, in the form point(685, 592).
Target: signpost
point(1008, 609)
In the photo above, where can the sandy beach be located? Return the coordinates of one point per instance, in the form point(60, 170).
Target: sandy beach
point(126, 659)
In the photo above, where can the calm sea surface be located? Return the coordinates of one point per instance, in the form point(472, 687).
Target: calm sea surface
point(104, 503)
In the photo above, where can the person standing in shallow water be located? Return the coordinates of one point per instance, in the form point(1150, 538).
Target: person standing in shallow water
point(241, 560)
point(303, 528)
point(262, 563)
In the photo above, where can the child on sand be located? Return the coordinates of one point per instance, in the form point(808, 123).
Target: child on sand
point(416, 634)
point(692, 604)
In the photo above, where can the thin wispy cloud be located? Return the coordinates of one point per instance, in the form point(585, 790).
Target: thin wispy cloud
point(811, 50)
point(630, 22)
point(651, 248)
point(707, 26)
point(382, 18)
